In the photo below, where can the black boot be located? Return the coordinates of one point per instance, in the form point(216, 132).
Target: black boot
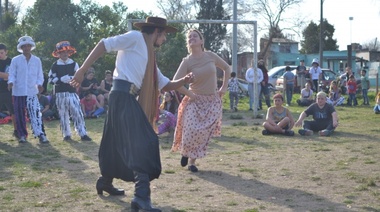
point(141, 201)
point(105, 184)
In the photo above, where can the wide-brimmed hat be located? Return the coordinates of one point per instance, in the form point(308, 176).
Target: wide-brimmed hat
point(63, 46)
point(155, 22)
point(24, 40)
point(315, 60)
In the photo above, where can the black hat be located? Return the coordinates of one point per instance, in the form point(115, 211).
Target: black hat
point(155, 22)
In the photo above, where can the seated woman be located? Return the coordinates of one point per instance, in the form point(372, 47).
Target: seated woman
point(279, 120)
point(90, 83)
point(335, 95)
point(306, 97)
point(376, 109)
point(168, 112)
point(106, 84)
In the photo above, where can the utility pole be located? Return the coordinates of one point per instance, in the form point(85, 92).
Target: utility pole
point(321, 37)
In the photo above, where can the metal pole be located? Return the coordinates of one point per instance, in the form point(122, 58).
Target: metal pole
point(234, 40)
point(320, 42)
point(255, 93)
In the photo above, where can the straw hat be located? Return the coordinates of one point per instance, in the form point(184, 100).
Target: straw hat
point(155, 22)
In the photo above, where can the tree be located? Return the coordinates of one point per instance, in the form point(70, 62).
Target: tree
point(214, 34)
point(272, 13)
point(310, 44)
point(372, 45)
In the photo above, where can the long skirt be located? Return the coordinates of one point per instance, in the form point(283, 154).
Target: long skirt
point(197, 122)
point(129, 142)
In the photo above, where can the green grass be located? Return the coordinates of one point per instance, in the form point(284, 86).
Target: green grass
point(243, 170)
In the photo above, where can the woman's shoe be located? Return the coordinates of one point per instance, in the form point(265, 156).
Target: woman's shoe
point(106, 185)
point(193, 168)
point(184, 161)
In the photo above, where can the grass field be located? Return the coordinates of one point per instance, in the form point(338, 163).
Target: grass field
point(244, 170)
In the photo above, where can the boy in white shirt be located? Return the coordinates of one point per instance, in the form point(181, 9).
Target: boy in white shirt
point(26, 80)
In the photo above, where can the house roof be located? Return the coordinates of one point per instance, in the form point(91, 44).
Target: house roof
point(281, 40)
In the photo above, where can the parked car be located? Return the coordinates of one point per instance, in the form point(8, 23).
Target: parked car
point(243, 88)
point(324, 84)
point(274, 74)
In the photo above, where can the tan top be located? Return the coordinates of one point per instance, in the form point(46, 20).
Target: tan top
point(204, 70)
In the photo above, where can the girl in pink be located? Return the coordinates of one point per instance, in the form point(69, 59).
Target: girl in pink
point(200, 112)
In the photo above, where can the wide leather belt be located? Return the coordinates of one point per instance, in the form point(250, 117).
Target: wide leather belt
point(125, 86)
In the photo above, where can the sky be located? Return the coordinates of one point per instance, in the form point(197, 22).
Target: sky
point(363, 28)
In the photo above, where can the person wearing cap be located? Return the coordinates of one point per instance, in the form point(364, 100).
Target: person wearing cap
point(66, 98)
point(325, 118)
point(25, 80)
point(129, 148)
point(301, 74)
point(279, 119)
point(315, 74)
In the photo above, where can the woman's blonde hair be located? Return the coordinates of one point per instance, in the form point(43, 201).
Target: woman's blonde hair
point(200, 36)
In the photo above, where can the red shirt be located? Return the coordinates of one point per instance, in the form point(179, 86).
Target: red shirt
point(88, 104)
point(351, 86)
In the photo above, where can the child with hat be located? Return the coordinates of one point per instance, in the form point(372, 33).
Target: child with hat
point(26, 80)
point(67, 100)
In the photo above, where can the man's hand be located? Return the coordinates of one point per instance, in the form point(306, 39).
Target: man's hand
point(297, 124)
point(40, 88)
point(189, 78)
point(78, 78)
point(10, 86)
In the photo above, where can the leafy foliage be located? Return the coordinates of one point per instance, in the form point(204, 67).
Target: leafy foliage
point(311, 42)
point(213, 34)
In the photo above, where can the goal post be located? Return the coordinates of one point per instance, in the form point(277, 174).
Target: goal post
point(234, 51)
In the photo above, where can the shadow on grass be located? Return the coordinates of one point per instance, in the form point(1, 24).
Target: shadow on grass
point(295, 199)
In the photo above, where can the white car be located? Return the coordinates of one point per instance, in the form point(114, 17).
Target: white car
point(276, 73)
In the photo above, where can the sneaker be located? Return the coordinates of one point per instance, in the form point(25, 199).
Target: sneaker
point(265, 132)
point(325, 132)
point(235, 109)
point(289, 132)
point(43, 139)
point(305, 132)
point(22, 140)
point(193, 168)
point(184, 161)
point(67, 138)
point(85, 138)
point(250, 109)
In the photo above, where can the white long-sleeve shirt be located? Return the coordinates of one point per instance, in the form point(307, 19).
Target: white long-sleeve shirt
point(250, 76)
point(25, 75)
point(132, 58)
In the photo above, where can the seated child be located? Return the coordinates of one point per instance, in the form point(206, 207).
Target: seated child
point(306, 97)
point(90, 107)
point(335, 98)
point(279, 120)
point(168, 111)
point(376, 109)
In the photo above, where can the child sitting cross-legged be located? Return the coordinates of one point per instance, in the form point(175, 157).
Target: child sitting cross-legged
point(90, 106)
point(279, 120)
